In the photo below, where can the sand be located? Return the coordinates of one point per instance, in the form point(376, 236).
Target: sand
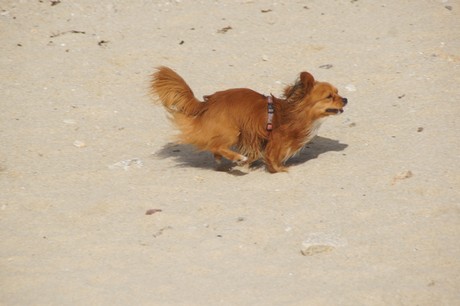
point(368, 213)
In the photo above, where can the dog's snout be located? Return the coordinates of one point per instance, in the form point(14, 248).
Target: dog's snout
point(344, 101)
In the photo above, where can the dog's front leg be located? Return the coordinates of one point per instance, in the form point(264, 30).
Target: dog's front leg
point(275, 154)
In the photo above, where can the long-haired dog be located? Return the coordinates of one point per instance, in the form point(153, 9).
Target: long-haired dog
point(257, 126)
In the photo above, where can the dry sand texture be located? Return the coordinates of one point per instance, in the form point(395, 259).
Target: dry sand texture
point(367, 215)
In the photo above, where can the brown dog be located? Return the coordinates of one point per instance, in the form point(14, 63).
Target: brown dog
point(258, 126)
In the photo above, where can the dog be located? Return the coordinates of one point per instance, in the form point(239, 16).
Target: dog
point(257, 126)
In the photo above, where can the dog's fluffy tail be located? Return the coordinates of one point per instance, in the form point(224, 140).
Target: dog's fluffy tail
point(174, 93)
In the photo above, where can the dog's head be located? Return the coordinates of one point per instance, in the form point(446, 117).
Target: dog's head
point(321, 98)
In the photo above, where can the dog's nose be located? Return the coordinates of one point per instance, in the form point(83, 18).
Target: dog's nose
point(344, 101)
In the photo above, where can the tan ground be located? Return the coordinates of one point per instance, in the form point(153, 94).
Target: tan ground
point(373, 202)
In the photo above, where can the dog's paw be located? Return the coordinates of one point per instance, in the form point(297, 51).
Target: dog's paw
point(242, 160)
point(276, 168)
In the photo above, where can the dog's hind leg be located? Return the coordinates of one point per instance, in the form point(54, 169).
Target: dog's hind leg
point(220, 144)
point(228, 154)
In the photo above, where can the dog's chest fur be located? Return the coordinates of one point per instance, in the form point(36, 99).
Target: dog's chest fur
point(313, 131)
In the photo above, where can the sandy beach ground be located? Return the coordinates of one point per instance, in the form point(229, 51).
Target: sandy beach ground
point(368, 214)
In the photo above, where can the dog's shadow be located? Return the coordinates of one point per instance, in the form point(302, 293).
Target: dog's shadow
point(188, 156)
point(315, 148)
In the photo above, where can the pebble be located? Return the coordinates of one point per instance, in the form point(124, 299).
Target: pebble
point(350, 87)
point(317, 243)
point(326, 66)
point(79, 144)
point(69, 121)
point(152, 211)
point(402, 176)
point(127, 164)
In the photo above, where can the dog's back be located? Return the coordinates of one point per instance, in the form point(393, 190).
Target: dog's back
point(238, 105)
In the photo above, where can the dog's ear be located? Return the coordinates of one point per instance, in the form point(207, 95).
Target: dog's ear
point(302, 87)
point(307, 81)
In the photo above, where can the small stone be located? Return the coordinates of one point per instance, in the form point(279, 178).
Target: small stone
point(310, 250)
point(224, 30)
point(264, 58)
point(79, 144)
point(127, 164)
point(350, 87)
point(152, 211)
point(69, 121)
point(317, 243)
point(327, 66)
point(402, 176)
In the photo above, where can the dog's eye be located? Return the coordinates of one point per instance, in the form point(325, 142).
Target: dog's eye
point(330, 96)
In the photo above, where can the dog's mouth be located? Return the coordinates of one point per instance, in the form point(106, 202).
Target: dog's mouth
point(334, 110)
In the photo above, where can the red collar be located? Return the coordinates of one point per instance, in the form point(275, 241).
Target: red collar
point(271, 110)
